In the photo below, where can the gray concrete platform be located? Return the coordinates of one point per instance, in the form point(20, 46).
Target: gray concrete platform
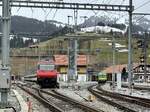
point(77, 85)
point(23, 104)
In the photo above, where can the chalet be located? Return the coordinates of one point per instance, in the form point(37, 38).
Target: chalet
point(61, 62)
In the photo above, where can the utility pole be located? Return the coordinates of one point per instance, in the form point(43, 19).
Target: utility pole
point(72, 72)
point(5, 69)
point(87, 57)
point(75, 43)
point(114, 63)
point(145, 55)
point(69, 54)
point(130, 47)
point(69, 20)
point(69, 24)
point(84, 17)
point(38, 48)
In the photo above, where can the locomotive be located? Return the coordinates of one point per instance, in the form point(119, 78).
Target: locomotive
point(47, 74)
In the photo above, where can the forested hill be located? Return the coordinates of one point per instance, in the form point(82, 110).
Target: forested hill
point(20, 24)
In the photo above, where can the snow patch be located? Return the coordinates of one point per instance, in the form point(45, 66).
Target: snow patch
point(117, 45)
point(105, 29)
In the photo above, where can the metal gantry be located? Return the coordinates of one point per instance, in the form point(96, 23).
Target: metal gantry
point(63, 5)
point(6, 4)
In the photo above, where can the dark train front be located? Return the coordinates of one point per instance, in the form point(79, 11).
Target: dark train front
point(47, 74)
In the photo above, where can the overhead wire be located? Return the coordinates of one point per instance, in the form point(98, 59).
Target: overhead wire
point(48, 13)
point(142, 5)
point(54, 14)
point(138, 20)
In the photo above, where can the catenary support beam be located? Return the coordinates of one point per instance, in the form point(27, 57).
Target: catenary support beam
point(63, 5)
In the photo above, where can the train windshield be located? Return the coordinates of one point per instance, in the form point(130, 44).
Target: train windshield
point(46, 67)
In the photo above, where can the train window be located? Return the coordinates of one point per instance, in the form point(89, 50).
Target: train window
point(46, 67)
point(38, 67)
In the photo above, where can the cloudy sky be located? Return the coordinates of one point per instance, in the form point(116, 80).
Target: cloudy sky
point(61, 15)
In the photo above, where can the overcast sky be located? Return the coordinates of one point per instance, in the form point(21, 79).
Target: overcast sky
point(61, 15)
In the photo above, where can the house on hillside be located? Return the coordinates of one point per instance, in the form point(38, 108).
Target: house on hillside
point(61, 62)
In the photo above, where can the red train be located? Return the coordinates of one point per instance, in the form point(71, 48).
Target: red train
point(47, 74)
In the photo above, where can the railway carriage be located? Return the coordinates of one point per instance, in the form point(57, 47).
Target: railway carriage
point(102, 77)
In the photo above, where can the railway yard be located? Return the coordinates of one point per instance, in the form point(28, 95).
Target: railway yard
point(91, 98)
point(93, 56)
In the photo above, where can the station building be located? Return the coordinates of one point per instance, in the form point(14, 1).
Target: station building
point(61, 62)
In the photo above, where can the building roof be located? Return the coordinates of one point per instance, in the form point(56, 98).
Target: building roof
point(118, 68)
point(63, 60)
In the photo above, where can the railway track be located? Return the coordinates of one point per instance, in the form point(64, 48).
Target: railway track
point(47, 104)
point(57, 95)
point(123, 105)
point(132, 99)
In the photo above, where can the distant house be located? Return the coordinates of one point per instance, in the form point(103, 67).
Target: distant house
point(61, 62)
point(116, 69)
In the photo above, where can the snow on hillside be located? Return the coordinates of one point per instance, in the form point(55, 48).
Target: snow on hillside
point(58, 24)
point(122, 48)
point(24, 38)
point(105, 29)
point(117, 45)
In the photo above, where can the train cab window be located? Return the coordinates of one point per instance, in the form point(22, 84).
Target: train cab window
point(46, 67)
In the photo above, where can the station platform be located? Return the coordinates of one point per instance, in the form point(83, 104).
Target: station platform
point(133, 92)
point(23, 104)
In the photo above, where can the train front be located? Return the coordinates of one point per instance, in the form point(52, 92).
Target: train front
point(47, 74)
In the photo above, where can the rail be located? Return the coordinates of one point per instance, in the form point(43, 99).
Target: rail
point(49, 105)
point(101, 95)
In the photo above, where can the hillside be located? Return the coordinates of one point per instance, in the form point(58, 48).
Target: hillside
point(20, 24)
point(139, 24)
